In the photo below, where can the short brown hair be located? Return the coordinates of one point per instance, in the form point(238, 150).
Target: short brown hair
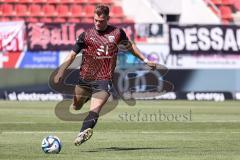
point(102, 9)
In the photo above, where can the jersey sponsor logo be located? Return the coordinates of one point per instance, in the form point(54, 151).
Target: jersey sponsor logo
point(111, 38)
point(103, 52)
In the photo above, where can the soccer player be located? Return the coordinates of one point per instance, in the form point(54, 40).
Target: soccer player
point(99, 50)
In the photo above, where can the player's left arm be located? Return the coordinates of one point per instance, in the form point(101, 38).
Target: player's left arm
point(134, 50)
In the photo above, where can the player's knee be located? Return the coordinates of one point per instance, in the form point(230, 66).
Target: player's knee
point(75, 106)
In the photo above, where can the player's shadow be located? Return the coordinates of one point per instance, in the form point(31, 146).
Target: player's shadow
point(113, 149)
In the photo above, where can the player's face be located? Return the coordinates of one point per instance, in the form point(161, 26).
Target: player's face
point(101, 22)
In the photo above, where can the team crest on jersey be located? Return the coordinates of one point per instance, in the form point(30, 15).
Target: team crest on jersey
point(111, 38)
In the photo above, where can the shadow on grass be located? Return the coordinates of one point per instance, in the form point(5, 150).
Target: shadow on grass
point(113, 149)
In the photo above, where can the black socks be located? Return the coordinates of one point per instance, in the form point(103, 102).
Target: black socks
point(90, 121)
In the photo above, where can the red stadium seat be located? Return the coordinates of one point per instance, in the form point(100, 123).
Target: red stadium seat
point(115, 20)
point(49, 10)
point(59, 20)
point(87, 20)
point(107, 1)
point(74, 20)
point(225, 21)
point(237, 5)
point(116, 11)
point(17, 19)
point(81, 1)
point(77, 11)
point(4, 19)
point(226, 12)
point(89, 10)
point(39, 1)
point(25, 1)
point(46, 20)
point(95, 1)
point(32, 19)
point(35, 10)
point(63, 11)
point(7, 10)
point(1, 9)
point(228, 2)
point(9, 1)
point(21, 10)
point(68, 1)
point(54, 1)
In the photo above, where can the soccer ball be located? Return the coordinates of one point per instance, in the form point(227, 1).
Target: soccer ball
point(51, 144)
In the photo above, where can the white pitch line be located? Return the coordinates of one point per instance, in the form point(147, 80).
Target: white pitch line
point(38, 122)
point(143, 132)
point(36, 132)
point(138, 122)
point(18, 123)
point(190, 132)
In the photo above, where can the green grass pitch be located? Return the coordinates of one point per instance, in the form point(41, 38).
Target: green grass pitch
point(159, 130)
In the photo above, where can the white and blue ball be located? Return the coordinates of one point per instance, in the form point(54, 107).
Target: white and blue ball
point(51, 144)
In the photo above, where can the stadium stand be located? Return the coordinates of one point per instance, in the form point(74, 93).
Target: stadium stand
point(7, 10)
point(89, 10)
point(229, 10)
point(32, 20)
point(226, 12)
point(76, 11)
point(63, 10)
point(49, 10)
point(45, 20)
point(35, 10)
point(185, 11)
point(74, 20)
point(58, 10)
point(141, 11)
point(21, 10)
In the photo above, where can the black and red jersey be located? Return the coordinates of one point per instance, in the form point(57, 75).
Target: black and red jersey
point(99, 49)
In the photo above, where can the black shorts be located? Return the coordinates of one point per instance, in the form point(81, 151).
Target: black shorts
point(96, 86)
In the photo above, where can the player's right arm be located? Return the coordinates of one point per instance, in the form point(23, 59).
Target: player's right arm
point(67, 62)
point(79, 45)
